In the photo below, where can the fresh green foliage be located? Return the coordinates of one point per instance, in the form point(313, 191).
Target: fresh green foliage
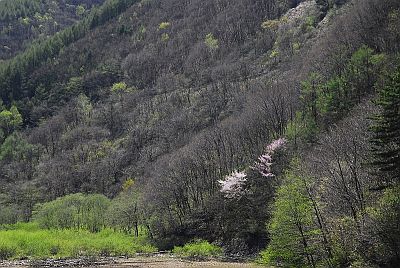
point(76, 211)
point(74, 86)
point(301, 129)
point(274, 54)
point(124, 212)
point(344, 250)
point(328, 101)
point(211, 42)
point(198, 249)
point(119, 87)
point(331, 100)
point(296, 46)
point(165, 37)
point(29, 241)
point(15, 148)
point(10, 120)
point(164, 25)
point(292, 227)
point(270, 25)
point(309, 23)
point(84, 107)
point(128, 184)
point(80, 10)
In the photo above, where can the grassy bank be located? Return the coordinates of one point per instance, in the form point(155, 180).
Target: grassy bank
point(27, 240)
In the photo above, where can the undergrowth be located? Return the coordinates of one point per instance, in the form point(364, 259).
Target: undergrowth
point(27, 240)
point(198, 249)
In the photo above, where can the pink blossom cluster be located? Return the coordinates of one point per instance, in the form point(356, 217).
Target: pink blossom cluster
point(232, 185)
point(265, 161)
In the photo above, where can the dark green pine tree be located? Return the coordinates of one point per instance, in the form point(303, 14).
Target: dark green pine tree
point(386, 133)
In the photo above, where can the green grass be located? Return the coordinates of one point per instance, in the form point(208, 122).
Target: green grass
point(198, 249)
point(29, 241)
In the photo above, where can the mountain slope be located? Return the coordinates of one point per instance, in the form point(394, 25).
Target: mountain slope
point(175, 95)
point(22, 22)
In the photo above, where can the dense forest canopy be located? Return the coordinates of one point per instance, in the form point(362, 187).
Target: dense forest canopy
point(258, 125)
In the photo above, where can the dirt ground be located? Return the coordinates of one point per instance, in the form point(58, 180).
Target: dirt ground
point(172, 263)
point(138, 262)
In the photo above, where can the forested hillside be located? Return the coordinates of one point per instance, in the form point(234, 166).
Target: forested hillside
point(265, 126)
point(23, 21)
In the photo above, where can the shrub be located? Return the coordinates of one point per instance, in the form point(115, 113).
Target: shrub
point(270, 25)
point(75, 211)
point(198, 249)
point(164, 25)
point(211, 42)
point(310, 23)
